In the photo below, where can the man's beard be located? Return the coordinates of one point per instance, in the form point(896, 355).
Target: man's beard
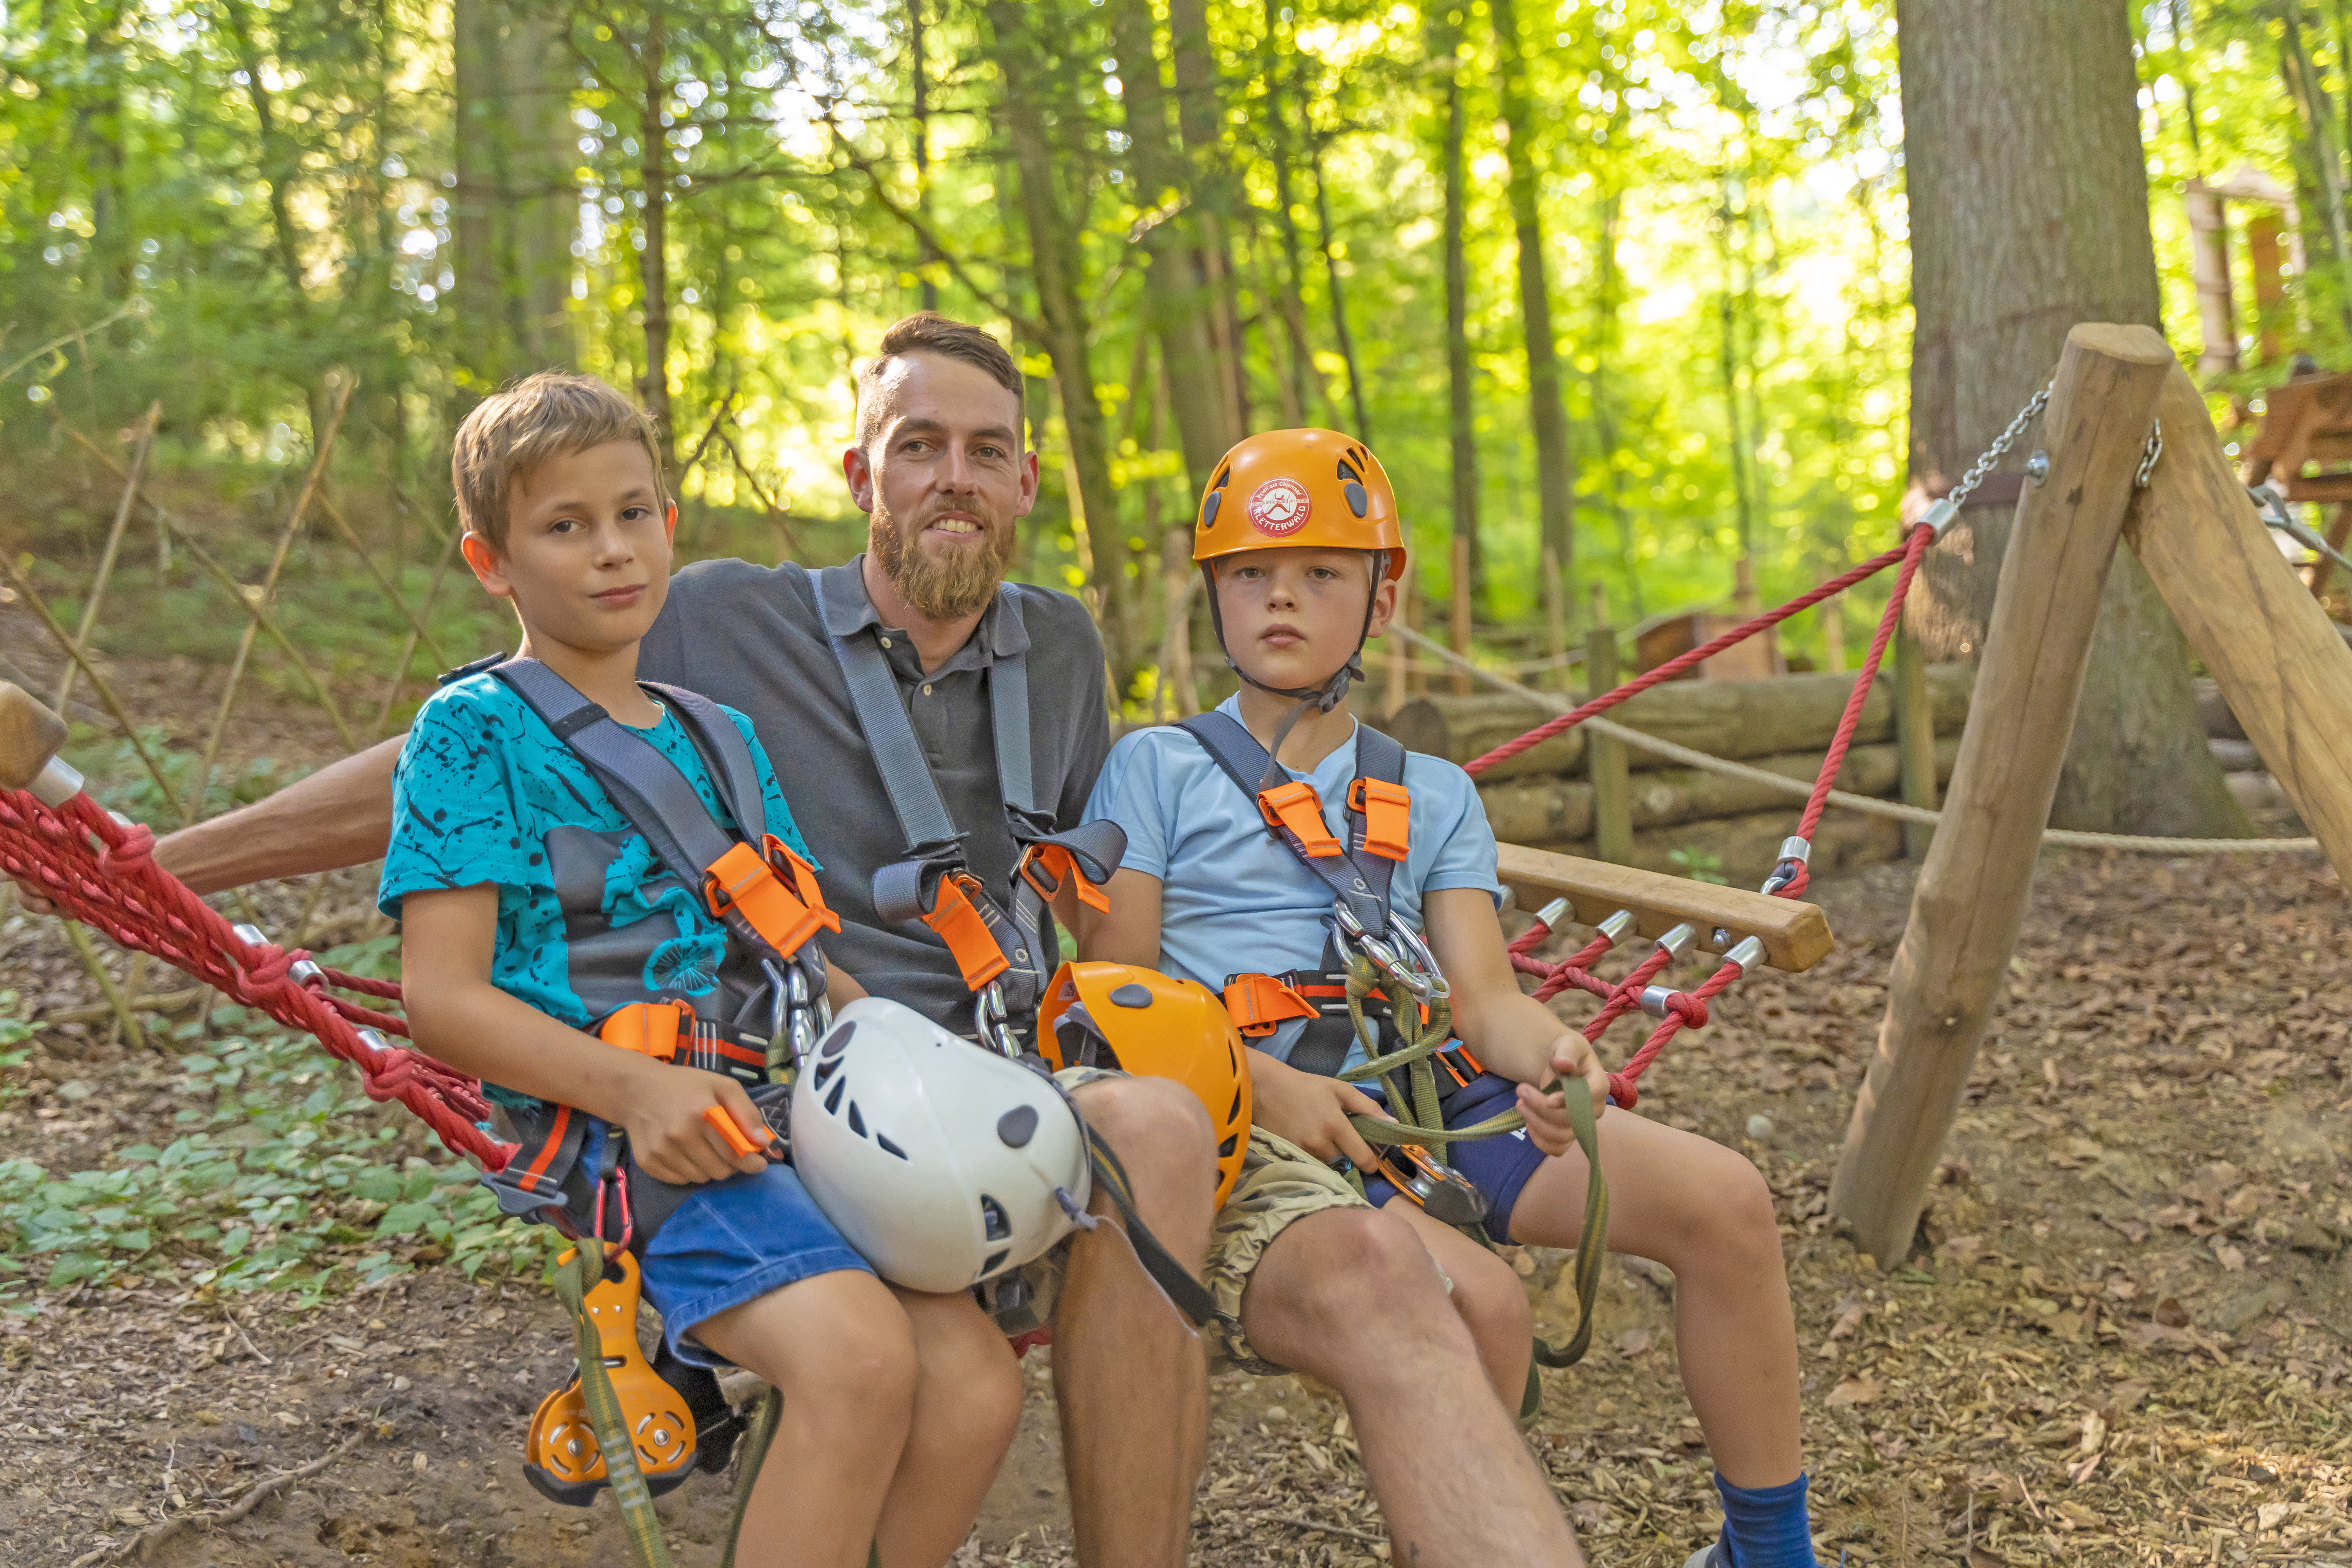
point(943, 583)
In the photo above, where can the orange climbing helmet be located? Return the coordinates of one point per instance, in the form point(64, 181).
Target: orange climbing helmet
point(1298, 488)
point(1140, 1021)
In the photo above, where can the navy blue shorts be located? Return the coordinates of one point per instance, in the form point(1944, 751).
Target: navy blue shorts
point(728, 1243)
point(1500, 1166)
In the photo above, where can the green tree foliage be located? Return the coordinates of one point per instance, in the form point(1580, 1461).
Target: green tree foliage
point(1192, 220)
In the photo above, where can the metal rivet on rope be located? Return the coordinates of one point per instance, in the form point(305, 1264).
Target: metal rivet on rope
point(1748, 954)
point(1619, 926)
point(1550, 916)
point(1678, 942)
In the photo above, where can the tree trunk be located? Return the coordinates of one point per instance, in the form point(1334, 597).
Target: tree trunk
point(1609, 304)
point(1302, 371)
point(1199, 98)
point(1176, 307)
point(1445, 57)
point(1991, 88)
point(653, 155)
point(1547, 413)
point(1059, 272)
point(1363, 431)
point(927, 291)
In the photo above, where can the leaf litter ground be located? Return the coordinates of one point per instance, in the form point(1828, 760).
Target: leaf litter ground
point(2122, 1337)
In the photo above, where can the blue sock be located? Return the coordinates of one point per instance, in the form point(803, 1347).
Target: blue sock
point(1767, 1528)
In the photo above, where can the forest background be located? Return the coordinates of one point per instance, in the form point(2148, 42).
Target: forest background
point(1619, 290)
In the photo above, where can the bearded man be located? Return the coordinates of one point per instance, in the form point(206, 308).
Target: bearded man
point(941, 465)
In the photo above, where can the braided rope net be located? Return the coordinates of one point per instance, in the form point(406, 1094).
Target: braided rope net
point(102, 871)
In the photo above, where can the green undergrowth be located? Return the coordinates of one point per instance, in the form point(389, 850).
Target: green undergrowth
point(280, 1174)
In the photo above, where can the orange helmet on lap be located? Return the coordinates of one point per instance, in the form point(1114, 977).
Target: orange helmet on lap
point(1141, 1021)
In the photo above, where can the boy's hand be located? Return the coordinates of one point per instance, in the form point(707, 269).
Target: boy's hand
point(1547, 1112)
point(668, 1135)
point(1312, 1110)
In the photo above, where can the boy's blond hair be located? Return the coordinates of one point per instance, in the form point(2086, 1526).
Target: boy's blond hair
point(521, 425)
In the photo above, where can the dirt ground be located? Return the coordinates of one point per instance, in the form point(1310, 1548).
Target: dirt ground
point(2123, 1339)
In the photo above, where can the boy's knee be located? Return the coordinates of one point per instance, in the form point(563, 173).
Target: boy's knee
point(1731, 1222)
point(860, 1369)
point(1493, 1302)
point(1349, 1273)
point(1160, 1131)
point(974, 1404)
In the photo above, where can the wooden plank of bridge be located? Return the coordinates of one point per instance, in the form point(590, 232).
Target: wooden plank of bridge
point(1973, 890)
point(1795, 935)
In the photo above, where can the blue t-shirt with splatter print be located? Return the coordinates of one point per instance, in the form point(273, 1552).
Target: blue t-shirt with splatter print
point(589, 918)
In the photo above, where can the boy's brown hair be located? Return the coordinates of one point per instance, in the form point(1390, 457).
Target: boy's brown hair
point(928, 332)
point(521, 425)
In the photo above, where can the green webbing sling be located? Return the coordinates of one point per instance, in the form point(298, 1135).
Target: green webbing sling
point(573, 1280)
point(1420, 1120)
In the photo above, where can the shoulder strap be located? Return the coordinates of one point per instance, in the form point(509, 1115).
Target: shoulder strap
point(1380, 756)
point(724, 751)
point(889, 734)
point(647, 786)
point(1008, 711)
point(1235, 750)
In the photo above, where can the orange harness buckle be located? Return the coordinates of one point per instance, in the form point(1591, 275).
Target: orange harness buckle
point(1046, 868)
point(1258, 1003)
point(648, 1028)
point(747, 881)
point(1387, 811)
point(1294, 808)
point(965, 931)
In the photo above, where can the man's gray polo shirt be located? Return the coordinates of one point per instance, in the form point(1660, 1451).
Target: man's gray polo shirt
point(754, 637)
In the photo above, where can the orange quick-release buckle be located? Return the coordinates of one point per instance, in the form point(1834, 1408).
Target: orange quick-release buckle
point(1387, 811)
point(649, 1028)
point(1294, 808)
point(1259, 1002)
point(1046, 868)
point(965, 931)
point(746, 881)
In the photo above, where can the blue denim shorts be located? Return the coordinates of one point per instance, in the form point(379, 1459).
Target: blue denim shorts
point(732, 1242)
point(1500, 1166)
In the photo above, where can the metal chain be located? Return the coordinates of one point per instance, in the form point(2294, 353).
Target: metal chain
point(1994, 453)
point(2148, 455)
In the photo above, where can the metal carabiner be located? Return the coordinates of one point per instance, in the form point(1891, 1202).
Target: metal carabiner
point(1438, 989)
point(990, 1022)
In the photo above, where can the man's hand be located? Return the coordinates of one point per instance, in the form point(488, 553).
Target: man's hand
point(1312, 1110)
point(668, 1135)
point(1547, 1125)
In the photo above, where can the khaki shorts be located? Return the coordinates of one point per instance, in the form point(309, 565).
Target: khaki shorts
point(1279, 1184)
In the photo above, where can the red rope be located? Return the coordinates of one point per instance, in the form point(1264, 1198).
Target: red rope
point(102, 873)
point(1689, 1009)
point(1676, 666)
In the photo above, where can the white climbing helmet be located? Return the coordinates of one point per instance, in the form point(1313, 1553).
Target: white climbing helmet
point(941, 1162)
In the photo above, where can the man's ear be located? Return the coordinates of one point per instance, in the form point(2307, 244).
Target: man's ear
point(490, 566)
point(860, 475)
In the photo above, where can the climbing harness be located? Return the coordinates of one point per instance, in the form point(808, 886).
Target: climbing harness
point(1002, 952)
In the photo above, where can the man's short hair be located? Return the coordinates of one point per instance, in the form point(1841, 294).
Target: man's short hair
point(928, 332)
point(515, 429)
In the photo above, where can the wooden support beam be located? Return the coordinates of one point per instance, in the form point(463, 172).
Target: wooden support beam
point(1612, 796)
point(1795, 935)
point(2285, 672)
point(1973, 891)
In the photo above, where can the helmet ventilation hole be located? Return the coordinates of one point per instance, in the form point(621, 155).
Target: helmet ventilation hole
point(998, 1225)
point(995, 1260)
point(1209, 508)
point(856, 1123)
point(832, 1100)
point(888, 1147)
point(825, 1071)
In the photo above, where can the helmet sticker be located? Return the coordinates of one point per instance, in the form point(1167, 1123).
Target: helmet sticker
point(1280, 506)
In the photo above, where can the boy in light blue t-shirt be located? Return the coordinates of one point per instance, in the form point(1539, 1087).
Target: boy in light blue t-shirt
point(531, 908)
point(1231, 874)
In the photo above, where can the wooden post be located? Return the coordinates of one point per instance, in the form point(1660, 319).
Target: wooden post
point(1613, 791)
point(1973, 891)
point(2278, 659)
point(1915, 738)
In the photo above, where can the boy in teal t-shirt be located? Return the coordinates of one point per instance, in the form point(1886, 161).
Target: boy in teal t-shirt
point(531, 908)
